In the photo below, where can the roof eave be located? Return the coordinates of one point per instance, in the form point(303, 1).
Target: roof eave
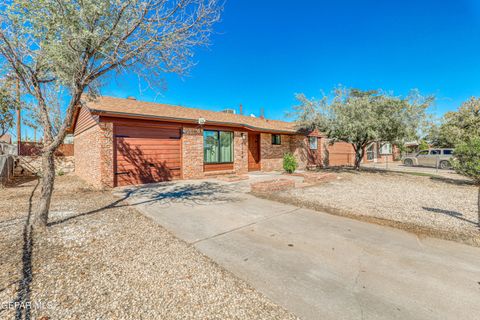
point(187, 120)
point(73, 123)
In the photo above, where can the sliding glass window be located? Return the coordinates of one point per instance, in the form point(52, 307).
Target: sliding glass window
point(217, 146)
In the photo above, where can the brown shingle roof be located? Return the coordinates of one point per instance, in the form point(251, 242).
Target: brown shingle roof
point(131, 108)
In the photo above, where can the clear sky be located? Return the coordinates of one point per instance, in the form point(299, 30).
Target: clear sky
point(265, 51)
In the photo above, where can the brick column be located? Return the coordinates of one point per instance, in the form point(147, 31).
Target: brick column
point(299, 148)
point(106, 154)
point(240, 152)
point(192, 153)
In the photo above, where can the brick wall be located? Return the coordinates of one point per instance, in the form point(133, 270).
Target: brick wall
point(240, 152)
point(93, 150)
point(106, 154)
point(87, 156)
point(272, 155)
point(299, 148)
point(192, 153)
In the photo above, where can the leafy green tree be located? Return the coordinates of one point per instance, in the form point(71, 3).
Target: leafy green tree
point(467, 162)
point(7, 110)
point(362, 117)
point(457, 126)
point(423, 145)
point(71, 46)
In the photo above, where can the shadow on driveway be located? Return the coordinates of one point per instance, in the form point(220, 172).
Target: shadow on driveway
point(191, 194)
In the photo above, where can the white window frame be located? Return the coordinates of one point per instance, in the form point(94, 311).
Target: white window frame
point(386, 148)
point(314, 145)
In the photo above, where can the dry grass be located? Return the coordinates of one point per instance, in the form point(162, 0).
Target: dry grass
point(101, 259)
point(427, 206)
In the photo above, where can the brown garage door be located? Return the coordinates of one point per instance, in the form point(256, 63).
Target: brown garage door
point(340, 154)
point(145, 154)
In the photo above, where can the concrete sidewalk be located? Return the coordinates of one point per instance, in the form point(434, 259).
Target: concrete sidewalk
point(317, 265)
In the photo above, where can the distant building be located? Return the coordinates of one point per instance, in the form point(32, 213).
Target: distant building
point(6, 138)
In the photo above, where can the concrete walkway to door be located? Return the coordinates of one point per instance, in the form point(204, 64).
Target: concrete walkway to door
point(317, 265)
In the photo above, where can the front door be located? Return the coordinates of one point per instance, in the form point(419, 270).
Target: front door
point(253, 151)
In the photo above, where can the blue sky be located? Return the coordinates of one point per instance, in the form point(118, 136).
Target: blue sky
point(265, 51)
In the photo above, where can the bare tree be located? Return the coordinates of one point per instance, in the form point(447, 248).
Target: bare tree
point(74, 44)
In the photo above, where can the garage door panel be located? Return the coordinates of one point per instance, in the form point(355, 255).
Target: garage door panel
point(132, 149)
point(169, 164)
point(149, 141)
point(137, 129)
point(149, 135)
point(152, 157)
point(145, 155)
point(139, 132)
point(121, 166)
point(138, 177)
point(141, 151)
point(160, 154)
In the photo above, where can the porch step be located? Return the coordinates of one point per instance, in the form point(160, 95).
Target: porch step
point(219, 173)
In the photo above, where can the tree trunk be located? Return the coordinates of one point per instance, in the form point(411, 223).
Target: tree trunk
point(47, 181)
point(478, 207)
point(358, 157)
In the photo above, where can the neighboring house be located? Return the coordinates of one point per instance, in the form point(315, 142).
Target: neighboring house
point(381, 152)
point(6, 138)
point(124, 141)
point(342, 153)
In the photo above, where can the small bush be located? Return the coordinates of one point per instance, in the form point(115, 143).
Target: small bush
point(60, 172)
point(289, 163)
point(467, 159)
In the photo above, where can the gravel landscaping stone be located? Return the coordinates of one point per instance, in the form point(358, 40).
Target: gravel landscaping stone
point(448, 207)
point(272, 185)
point(101, 259)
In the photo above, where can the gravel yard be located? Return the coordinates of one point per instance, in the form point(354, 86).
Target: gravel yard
point(439, 207)
point(101, 259)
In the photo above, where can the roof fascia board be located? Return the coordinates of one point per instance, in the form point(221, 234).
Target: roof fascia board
point(185, 120)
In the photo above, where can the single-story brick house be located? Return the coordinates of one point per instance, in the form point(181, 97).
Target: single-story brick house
point(120, 142)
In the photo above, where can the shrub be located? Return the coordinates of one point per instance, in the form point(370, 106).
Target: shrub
point(467, 162)
point(289, 163)
point(467, 159)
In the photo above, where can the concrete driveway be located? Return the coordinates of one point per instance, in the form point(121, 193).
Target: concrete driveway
point(314, 264)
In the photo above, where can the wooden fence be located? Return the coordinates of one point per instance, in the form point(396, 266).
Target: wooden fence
point(33, 149)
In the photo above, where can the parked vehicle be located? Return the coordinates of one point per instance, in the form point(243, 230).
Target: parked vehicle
point(431, 158)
